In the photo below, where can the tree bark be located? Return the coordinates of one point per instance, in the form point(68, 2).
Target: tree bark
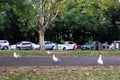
point(41, 40)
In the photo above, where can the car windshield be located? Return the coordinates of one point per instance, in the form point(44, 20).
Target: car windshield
point(18, 42)
point(89, 43)
point(23, 42)
point(48, 42)
point(3, 41)
point(66, 42)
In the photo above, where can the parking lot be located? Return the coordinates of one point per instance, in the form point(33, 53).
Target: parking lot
point(66, 45)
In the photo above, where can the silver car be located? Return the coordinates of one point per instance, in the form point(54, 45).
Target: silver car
point(23, 45)
point(4, 44)
point(50, 45)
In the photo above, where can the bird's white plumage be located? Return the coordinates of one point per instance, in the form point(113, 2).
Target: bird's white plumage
point(100, 61)
point(48, 52)
point(55, 58)
point(16, 55)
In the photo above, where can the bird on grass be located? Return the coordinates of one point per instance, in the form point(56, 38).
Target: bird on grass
point(16, 55)
point(48, 52)
point(100, 61)
point(55, 59)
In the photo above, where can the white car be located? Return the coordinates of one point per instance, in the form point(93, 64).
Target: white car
point(67, 45)
point(24, 45)
point(4, 44)
point(111, 47)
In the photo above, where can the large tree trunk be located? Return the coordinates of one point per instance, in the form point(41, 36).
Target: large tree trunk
point(41, 40)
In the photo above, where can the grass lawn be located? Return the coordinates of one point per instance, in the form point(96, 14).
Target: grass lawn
point(59, 72)
point(60, 52)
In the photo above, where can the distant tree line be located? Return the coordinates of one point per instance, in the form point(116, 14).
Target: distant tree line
point(81, 21)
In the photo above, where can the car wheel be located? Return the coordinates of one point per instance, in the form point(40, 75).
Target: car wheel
point(54, 48)
point(31, 48)
point(5, 48)
point(74, 48)
point(64, 48)
point(110, 48)
point(18, 48)
point(92, 48)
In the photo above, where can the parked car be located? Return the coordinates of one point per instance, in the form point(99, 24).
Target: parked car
point(4, 44)
point(24, 45)
point(67, 45)
point(50, 45)
point(111, 47)
point(105, 46)
point(91, 45)
point(78, 47)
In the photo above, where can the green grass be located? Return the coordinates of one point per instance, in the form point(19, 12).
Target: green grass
point(59, 72)
point(95, 53)
point(60, 52)
point(22, 52)
point(63, 73)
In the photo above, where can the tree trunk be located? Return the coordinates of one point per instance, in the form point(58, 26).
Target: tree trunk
point(41, 40)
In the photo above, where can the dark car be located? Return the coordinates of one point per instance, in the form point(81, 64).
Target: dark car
point(91, 45)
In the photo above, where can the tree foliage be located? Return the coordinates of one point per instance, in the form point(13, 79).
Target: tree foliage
point(77, 20)
point(87, 20)
point(14, 23)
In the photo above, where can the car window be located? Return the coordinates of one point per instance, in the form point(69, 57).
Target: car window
point(26, 44)
point(19, 43)
point(3, 41)
point(70, 42)
point(89, 43)
point(61, 42)
point(48, 42)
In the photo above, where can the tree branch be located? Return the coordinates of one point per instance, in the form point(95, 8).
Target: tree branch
point(49, 17)
point(55, 15)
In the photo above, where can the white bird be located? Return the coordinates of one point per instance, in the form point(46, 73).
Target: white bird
point(100, 61)
point(16, 55)
point(55, 58)
point(48, 52)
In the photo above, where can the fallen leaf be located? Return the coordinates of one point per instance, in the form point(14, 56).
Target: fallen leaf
point(86, 73)
point(73, 69)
